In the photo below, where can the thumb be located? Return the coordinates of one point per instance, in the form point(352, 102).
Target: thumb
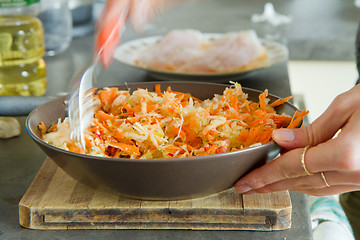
point(324, 127)
point(290, 138)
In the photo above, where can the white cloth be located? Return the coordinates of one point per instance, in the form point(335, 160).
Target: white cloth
point(328, 219)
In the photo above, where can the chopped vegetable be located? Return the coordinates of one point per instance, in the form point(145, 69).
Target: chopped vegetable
point(172, 124)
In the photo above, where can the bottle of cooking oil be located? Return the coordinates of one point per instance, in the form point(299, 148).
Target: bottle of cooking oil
point(22, 68)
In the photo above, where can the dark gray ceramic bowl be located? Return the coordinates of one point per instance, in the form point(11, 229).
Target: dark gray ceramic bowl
point(156, 179)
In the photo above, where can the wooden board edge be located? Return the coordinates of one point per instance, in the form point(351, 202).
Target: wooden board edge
point(30, 218)
point(43, 219)
point(34, 217)
point(154, 226)
point(283, 219)
point(24, 216)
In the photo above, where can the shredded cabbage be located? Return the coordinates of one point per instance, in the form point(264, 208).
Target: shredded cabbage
point(172, 124)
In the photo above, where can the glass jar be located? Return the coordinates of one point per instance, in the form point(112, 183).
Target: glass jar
point(56, 18)
point(22, 68)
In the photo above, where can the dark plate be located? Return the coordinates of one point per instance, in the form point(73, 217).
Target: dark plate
point(156, 179)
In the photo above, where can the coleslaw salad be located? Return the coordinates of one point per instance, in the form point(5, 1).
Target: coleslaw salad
point(170, 124)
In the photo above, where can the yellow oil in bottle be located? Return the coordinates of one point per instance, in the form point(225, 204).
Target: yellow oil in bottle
point(22, 69)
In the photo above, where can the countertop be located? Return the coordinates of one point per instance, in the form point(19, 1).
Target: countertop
point(310, 37)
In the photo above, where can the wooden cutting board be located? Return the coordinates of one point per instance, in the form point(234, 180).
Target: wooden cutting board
point(54, 200)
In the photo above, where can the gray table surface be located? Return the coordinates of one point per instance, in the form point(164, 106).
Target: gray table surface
point(321, 30)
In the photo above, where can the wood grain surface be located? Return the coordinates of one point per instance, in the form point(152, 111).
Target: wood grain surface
point(54, 200)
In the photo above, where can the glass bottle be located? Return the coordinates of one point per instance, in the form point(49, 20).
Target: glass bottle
point(56, 18)
point(22, 68)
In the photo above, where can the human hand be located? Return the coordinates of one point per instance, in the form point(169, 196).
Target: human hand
point(338, 158)
point(114, 16)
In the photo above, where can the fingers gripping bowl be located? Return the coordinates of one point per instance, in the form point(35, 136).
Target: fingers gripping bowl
point(158, 178)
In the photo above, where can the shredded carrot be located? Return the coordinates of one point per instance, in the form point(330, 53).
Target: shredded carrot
point(297, 118)
point(127, 148)
point(280, 101)
point(158, 89)
point(73, 148)
point(262, 98)
point(88, 143)
point(173, 149)
point(133, 120)
point(128, 108)
point(107, 97)
point(103, 117)
point(42, 128)
point(168, 124)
